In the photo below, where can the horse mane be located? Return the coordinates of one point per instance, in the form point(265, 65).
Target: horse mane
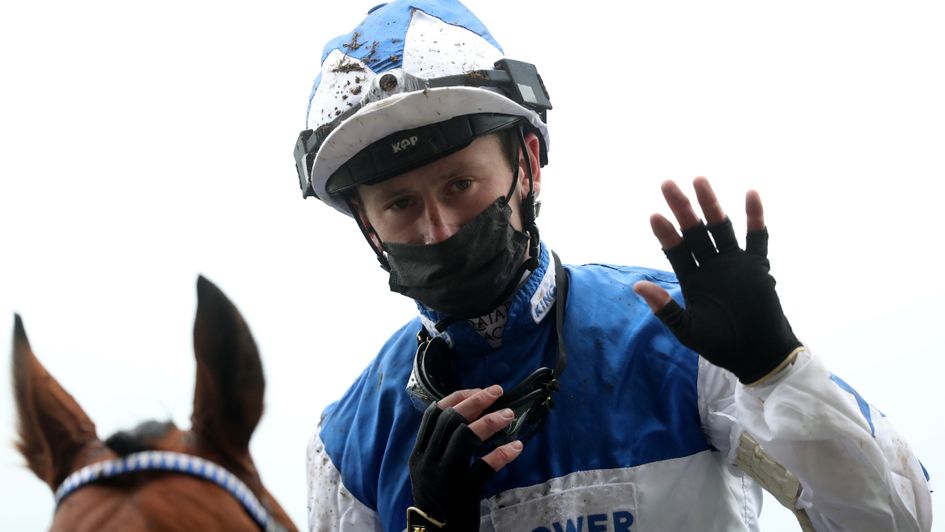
point(140, 438)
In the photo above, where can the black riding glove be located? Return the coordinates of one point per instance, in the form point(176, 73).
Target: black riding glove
point(733, 317)
point(447, 483)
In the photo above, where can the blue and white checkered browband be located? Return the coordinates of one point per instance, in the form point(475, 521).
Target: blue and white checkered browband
point(169, 461)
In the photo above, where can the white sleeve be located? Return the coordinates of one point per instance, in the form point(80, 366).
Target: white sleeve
point(331, 507)
point(855, 471)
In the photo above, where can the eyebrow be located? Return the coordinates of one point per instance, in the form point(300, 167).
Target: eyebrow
point(385, 195)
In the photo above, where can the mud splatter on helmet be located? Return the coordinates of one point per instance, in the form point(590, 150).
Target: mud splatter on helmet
point(415, 81)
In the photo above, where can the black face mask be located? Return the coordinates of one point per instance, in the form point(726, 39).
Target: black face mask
point(469, 273)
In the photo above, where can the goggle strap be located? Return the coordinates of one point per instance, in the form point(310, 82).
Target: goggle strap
point(562, 284)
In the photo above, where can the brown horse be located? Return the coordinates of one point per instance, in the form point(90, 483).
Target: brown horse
point(156, 477)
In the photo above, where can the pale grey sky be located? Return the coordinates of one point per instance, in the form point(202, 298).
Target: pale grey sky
point(143, 144)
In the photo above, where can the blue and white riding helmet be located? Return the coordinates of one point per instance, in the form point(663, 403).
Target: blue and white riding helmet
point(416, 80)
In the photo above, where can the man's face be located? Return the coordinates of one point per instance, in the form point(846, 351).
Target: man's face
point(429, 204)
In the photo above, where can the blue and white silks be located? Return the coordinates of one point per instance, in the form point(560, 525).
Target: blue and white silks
point(643, 434)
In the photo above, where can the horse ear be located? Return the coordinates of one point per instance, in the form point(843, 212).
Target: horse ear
point(228, 399)
point(53, 428)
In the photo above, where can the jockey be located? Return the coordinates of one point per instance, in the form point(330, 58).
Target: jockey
point(532, 395)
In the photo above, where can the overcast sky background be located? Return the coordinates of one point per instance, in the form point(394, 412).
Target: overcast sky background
point(142, 144)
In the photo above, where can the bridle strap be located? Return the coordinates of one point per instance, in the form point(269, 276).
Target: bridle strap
point(170, 462)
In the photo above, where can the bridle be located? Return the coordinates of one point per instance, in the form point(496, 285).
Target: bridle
point(175, 463)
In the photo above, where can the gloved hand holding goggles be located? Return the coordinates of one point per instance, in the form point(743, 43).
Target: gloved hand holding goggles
point(434, 377)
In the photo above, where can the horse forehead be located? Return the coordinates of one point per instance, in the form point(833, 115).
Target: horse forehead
point(189, 442)
point(183, 503)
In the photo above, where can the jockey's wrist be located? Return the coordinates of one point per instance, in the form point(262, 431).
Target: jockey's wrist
point(788, 361)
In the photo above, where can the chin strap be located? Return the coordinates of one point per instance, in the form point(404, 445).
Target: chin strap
point(367, 233)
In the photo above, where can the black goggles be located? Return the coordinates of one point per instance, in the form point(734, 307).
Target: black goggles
point(517, 80)
point(434, 377)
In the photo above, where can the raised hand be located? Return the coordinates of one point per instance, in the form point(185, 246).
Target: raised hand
point(733, 316)
point(447, 482)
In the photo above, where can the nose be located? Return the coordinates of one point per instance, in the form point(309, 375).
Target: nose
point(438, 222)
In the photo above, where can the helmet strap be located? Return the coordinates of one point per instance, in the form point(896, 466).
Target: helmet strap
point(368, 233)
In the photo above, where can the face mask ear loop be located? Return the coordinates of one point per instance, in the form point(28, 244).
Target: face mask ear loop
point(355, 213)
point(529, 207)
